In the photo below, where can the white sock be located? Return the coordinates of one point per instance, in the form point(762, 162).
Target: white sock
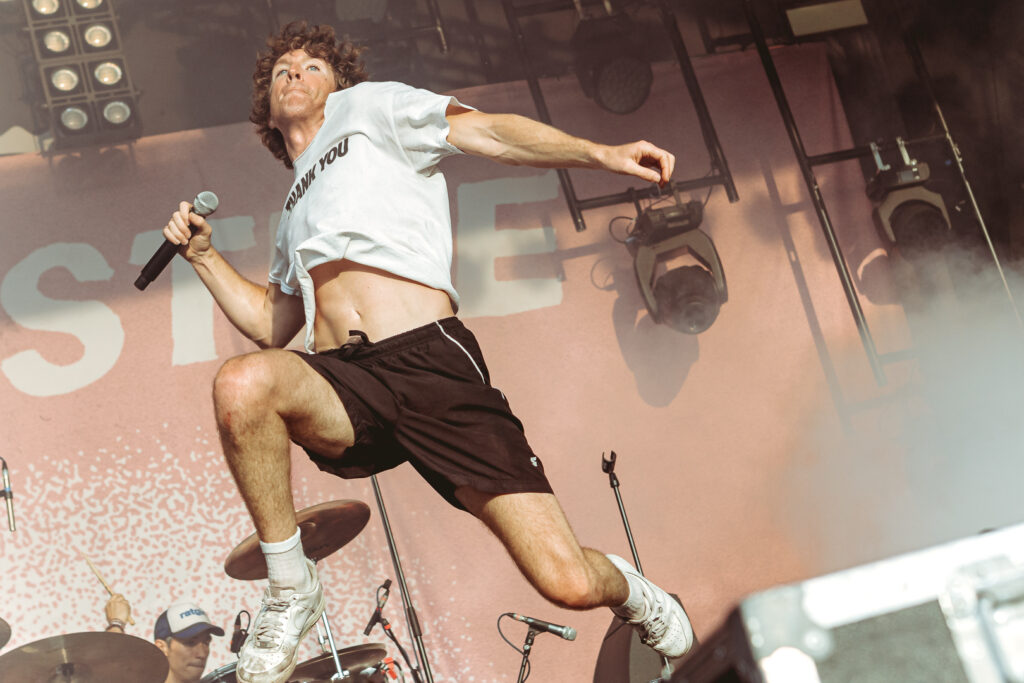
point(286, 563)
point(635, 607)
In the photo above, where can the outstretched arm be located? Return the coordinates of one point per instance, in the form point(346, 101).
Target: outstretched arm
point(520, 141)
point(266, 315)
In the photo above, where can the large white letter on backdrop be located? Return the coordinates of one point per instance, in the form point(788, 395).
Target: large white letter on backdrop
point(480, 243)
point(92, 322)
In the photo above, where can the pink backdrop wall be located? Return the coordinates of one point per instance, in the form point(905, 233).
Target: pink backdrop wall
point(759, 452)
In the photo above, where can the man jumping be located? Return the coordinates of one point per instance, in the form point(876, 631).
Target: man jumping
point(363, 260)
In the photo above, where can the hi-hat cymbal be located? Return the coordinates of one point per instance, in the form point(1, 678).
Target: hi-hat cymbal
point(5, 632)
point(325, 528)
point(89, 657)
point(354, 660)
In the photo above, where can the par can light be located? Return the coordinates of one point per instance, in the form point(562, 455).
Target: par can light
point(64, 79)
point(56, 42)
point(108, 73)
point(74, 118)
point(117, 112)
point(46, 7)
point(97, 36)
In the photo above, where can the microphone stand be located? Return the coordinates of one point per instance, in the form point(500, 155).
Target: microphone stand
point(527, 646)
point(8, 495)
point(419, 650)
point(608, 467)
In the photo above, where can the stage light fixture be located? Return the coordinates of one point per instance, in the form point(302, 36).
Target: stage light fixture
point(87, 89)
point(117, 112)
point(686, 298)
point(57, 42)
point(611, 63)
point(908, 214)
point(74, 118)
point(108, 73)
point(46, 7)
point(97, 36)
point(65, 79)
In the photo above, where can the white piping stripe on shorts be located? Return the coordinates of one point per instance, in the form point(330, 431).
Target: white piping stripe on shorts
point(475, 366)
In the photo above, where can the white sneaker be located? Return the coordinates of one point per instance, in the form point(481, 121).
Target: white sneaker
point(269, 653)
point(664, 626)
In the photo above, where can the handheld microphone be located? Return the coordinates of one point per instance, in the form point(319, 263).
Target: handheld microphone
point(204, 204)
point(8, 494)
point(381, 601)
point(240, 634)
point(567, 632)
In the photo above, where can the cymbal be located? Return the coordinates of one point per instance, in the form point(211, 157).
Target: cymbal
point(89, 657)
point(5, 632)
point(354, 660)
point(325, 527)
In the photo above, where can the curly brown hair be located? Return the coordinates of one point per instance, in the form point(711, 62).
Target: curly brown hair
point(318, 41)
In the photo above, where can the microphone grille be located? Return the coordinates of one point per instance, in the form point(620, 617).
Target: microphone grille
point(570, 633)
point(205, 203)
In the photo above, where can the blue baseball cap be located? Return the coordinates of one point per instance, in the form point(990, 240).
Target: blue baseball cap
point(183, 620)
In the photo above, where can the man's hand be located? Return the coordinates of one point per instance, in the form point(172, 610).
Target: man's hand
point(118, 610)
point(640, 159)
point(179, 230)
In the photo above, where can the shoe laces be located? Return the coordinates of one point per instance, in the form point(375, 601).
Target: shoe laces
point(270, 625)
point(654, 625)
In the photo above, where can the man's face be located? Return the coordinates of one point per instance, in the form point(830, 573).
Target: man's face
point(299, 87)
point(186, 657)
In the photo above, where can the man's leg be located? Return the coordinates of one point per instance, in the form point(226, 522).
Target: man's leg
point(537, 535)
point(263, 401)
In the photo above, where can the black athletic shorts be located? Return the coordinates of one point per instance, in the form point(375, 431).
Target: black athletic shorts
point(424, 396)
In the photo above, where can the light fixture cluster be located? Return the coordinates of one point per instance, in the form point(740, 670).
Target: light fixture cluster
point(85, 81)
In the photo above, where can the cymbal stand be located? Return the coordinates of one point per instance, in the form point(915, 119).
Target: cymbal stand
point(608, 467)
point(333, 649)
point(422, 665)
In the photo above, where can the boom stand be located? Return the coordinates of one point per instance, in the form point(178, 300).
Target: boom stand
point(527, 646)
point(608, 466)
point(423, 666)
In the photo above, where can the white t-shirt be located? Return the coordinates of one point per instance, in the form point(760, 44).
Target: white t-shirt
point(367, 189)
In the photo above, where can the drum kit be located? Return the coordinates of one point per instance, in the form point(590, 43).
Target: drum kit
point(95, 657)
point(362, 664)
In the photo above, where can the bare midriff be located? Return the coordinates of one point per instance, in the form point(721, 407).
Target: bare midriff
point(351, 296)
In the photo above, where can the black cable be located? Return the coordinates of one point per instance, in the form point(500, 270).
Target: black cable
point(510, 643)
point(529, 665)
point(387, 630)
point(629, 230)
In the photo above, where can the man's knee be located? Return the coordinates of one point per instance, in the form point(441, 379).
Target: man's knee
point(570, 585)
point(243, 382)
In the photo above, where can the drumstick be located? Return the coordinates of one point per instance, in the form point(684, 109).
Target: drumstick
point(109, 592)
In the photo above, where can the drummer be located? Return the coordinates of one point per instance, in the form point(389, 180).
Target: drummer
point(182, 632)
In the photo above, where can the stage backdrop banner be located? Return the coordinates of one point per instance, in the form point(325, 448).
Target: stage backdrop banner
point(758, 452)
